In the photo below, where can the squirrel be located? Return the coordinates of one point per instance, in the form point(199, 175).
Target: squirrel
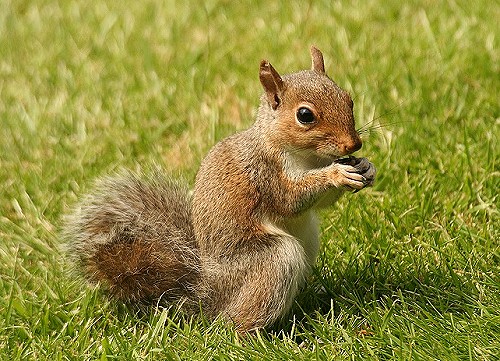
point(241, 244)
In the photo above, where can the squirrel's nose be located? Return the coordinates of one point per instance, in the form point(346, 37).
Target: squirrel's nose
point(352, 145)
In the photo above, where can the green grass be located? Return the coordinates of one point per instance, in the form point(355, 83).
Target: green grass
point(409, 269)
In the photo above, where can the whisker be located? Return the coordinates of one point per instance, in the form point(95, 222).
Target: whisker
point(391, 110)
point(381, 126)
point(355, 96)
point(369, 126)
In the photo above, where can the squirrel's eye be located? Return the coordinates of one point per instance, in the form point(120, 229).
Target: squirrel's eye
point(305, 116)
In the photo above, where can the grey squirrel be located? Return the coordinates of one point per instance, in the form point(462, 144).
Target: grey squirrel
point(243, 243)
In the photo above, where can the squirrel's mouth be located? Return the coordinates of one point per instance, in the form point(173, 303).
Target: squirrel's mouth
point(349, 160)
point(327, 159)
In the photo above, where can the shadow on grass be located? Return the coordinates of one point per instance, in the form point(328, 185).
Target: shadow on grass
point(360, 289)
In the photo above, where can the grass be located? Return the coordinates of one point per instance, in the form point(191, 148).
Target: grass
point(409, 269)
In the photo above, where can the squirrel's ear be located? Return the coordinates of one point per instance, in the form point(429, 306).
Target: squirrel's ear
point(317, 60)
point(272, 83)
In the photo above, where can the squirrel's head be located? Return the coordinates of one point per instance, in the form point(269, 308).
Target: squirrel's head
point(308, 111)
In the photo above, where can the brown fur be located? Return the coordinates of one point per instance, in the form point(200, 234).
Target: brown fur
point(244, 244)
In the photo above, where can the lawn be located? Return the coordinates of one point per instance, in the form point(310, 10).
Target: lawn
point(408, 269)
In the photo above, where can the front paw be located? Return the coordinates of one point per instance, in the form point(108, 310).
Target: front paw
point(347, 176)
point(355, 173)
point(367, 170)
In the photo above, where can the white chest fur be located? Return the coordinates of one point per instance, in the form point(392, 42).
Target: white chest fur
point(305, 228)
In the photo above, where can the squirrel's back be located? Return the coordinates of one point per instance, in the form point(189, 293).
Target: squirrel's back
point(134, 234)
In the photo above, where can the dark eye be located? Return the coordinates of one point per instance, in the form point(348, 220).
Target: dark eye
point(305, 116)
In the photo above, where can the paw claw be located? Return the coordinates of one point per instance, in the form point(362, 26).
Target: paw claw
point(354, 175)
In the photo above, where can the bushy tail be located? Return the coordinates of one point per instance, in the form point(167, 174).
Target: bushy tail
point(134, 234)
